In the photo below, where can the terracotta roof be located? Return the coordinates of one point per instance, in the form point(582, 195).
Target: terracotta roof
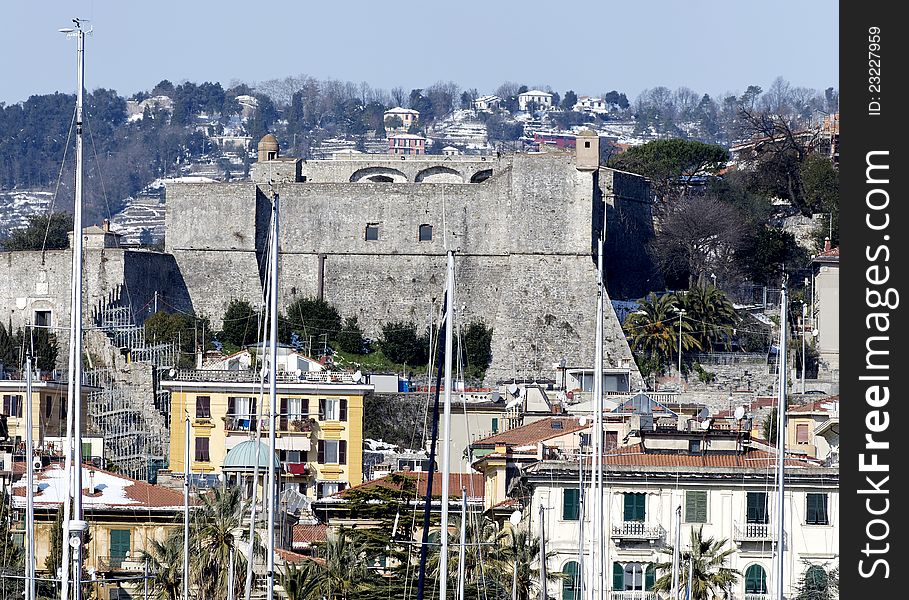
point(507, 503)
point(817, 405)
point(832, 252)
point(634, 455)
point(474, 482)
point(290, 557)
point(309, 534)
point(116, 492)
point(532, 433)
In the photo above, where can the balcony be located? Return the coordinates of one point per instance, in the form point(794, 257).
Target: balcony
point(752, 532)
point(636, 531)
point(250, 376)
point(633, 595)
point(298, 469)
point(108, 563)
point(240, 423)
point(756, 597)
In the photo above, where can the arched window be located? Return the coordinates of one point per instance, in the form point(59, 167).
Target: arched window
point(571, 585)
point(755, 580)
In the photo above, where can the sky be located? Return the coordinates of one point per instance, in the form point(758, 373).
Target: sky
point(712, 46)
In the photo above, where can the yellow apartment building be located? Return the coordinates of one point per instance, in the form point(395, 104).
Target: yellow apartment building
point(319, 424)
point(48, 407)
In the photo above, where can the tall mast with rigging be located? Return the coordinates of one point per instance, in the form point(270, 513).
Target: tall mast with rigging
point(30, 485)
point(781, 443)
point(446, 430)
point(74, 526)
point(273, 398)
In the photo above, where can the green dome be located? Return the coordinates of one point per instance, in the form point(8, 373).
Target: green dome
point(242, 457)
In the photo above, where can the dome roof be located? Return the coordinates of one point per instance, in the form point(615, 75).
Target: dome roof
point(242, 457)
point(268, 143)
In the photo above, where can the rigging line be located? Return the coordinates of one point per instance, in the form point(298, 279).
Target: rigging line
point(50, 211)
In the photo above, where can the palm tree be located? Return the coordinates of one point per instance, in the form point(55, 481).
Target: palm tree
point(518, 547)
point(479, 555)
point(339, 576)
point(215, 523)
point(165, 563)
point(302, 582)
point(711, 578)
point(653, 332)
point(712, 315)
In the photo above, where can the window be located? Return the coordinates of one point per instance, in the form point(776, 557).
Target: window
point(801, 433)
point(755, 580)
point(571, 585)
point(12, 405)
point(327, 489)
point(425, 233)
point(756, 509)
point(571, 504)
point(634, 507)
point(48, 406)
point(292, 409)
point(817, 583)
point(610, 440)
point(816, 513)
point(203, 407)
point(587, 144)
point(119, 546)
point(332, 452)
point(495, 426)
point(202, 454)
point(333, 409)
point(694, 446)
point(695, 507)
point(242, 413)
point(372, 232)
point(43, 318)
point(633, 576)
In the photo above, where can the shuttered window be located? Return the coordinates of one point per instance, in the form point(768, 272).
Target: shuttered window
point(202, 454)
point(650, 577)
point(618, 576)
point(571, 585)
point(571, 498)
point(801, 433)
point(203, 407)
point(634, 507)
point(756, 510)
point(695, 507)
point(119, 546)
point(755, 580)
point(816, 513)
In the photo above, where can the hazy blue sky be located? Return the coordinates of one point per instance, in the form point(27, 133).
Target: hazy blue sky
point(710, 46)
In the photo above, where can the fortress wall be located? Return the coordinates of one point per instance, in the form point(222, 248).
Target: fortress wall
point(210, 216)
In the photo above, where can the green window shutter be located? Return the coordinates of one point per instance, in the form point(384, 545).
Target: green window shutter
point(495, 426)
point(571, 504)
point(757, 507)
point(695, 507)
point(571, 583)
point(755, 580)
point(618, 576)
point(817, 509)
point(119, 546)
point(634, 507)
point(628, 513)
point(649, 577)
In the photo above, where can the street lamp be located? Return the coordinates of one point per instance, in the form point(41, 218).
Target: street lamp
point(681, 312)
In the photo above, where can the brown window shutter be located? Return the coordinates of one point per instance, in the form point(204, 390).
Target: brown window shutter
point(304, 407)
point(343, 410)
point(283, 417)
point(231, 405)
point(321, 409)
point(342, 452)
point(252, 407)
point(321, 458)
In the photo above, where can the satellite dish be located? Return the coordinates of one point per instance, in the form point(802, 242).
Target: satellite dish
point(815, 332)
point(739, 413)
point(704, 413)
point(37, 464)
point(582, 421)
point(298, 372)
point(515, 518)
point(705, 424)
point(513, 389)
point(172, 372)
point(357, 376)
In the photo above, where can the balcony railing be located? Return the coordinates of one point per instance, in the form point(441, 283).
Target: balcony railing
point(756, 597)
point(752, 532)
point(636, 530)
point(250, 376)
point(107, 563)
point(633, 595)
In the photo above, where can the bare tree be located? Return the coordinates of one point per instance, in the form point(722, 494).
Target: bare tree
point(398, 96)
point(699, 236)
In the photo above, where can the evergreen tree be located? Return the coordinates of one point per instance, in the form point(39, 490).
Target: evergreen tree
point(48, 232)
point(240, 324)
point(316, 318)
point(350, 339)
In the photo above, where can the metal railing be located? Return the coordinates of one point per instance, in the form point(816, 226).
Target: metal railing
point(756, 597)
point(107, 562)
point(637, 530)
point(729, 358)
point(248, 376)
point(633, 595)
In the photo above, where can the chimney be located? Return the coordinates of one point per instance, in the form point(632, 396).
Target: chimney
point(826, 244)
point(105, 225)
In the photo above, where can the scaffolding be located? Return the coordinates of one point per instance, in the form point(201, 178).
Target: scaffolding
point(129, 409)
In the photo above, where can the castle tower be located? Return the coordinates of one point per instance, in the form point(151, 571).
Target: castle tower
point(587, 150)
point(268, 148)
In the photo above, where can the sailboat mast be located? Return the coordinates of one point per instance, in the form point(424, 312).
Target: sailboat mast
point(273, 398)
point(599, 545)
point(543, 577)
point(30, 483)
point(446, 430)
point(186, 473)
point(72, 521)
point(675, 553)
point(462, 551)
point(581, 572)
point(781, 441)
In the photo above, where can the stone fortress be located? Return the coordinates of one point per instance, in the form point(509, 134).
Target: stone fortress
point(369, 234)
